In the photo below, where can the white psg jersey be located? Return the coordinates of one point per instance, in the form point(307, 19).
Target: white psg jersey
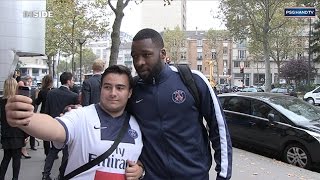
point(91, 132)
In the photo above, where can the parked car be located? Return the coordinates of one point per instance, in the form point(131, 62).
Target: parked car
point(284, 125)
point(252, 89)
point(285, 91)
point(313, 97)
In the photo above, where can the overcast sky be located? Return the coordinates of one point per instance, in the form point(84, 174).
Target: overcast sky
point(199, 14)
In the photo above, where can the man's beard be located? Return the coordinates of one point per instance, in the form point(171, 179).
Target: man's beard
point(157, 68)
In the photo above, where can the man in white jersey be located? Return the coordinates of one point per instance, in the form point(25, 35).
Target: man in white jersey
point(91, 130)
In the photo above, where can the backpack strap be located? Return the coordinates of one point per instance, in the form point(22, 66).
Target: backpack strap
point(187, 78)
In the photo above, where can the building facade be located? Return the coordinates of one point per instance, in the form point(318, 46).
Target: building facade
point(36, 67)
point(166, 17)
point(213, 60)
point(20, 36)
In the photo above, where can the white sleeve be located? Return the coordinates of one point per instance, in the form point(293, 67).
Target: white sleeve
point(70, 122)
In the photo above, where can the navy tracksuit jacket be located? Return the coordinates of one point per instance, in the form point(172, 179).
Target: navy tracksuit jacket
point(175, 146)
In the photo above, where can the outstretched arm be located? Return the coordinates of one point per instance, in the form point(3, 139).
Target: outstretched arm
point(19, 111)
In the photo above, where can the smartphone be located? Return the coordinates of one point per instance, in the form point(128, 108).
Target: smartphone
point(24, 90)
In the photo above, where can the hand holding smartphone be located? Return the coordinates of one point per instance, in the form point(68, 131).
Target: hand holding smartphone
point(24, 90)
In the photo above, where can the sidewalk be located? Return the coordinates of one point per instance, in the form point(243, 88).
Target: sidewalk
point(31, 169)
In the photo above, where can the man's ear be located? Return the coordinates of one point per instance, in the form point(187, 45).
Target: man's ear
point(163, 53)
point(130, 93)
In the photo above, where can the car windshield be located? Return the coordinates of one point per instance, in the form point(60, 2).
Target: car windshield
point(296, 109)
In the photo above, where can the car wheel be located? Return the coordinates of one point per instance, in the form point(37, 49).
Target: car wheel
point(297, 155)
point(310, 101)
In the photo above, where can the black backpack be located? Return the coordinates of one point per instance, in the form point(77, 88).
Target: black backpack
point(187, 78)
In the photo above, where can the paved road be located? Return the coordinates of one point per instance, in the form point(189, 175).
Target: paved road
point(31, 169)
point(246, 166)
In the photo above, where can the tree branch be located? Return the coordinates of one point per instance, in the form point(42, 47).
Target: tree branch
point(126, 3)
point(111, 6)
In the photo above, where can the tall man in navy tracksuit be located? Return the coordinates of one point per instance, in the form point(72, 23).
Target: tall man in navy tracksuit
point(176, 145)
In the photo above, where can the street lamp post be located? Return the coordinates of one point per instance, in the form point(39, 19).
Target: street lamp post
point(309, 54)
point(81, 42)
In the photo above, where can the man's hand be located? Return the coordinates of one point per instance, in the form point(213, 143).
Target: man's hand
point(133, 171)
point(18, 110)
point(69, 108)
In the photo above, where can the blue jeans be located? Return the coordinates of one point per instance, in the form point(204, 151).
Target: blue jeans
point(53, 152)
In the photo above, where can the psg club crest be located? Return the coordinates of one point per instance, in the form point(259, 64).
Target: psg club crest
point(179, 96)
point(133, 133)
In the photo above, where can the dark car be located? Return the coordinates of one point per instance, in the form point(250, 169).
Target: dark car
point(285, 91)
point(284, 125)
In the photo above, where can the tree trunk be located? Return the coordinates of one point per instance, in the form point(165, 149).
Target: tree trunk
point(115, 35)
point(72, 48)
point(49, 63)
point(266, 48)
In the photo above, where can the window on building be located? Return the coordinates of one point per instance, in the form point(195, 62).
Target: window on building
point(184, 55)
point(183, 43)
point(199, 68)
point(213, 55)
point(104, 54)
point(225, 50)
point(242, 54)
point(236, 64)
point(23, 71)
point(246, 64)
point(127, 57)
point(199, 56)
point(242, 43)
point(258, 79)
point(98, 52)
point(225, 63)
point(35, 72)
point(199, 42)
point(44, 71)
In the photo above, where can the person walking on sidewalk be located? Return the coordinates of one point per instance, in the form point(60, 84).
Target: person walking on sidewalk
point(12, 138)
point(57, 100)
point(46, 86)
point(91, 87)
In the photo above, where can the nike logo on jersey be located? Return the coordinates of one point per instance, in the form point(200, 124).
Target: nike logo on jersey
point(137, 101)
point(95, 127)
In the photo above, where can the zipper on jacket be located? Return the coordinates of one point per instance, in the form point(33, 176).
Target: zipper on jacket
point(164, 140)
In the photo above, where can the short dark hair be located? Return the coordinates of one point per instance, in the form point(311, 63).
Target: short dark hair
point(118, 69)
point(65, 77)
point(150, 34)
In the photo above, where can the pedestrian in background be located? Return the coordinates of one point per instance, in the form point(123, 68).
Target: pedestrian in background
point(57, 100)
point(91, 86)
point(27, 80)
point(46, 86)
point(12, 138)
